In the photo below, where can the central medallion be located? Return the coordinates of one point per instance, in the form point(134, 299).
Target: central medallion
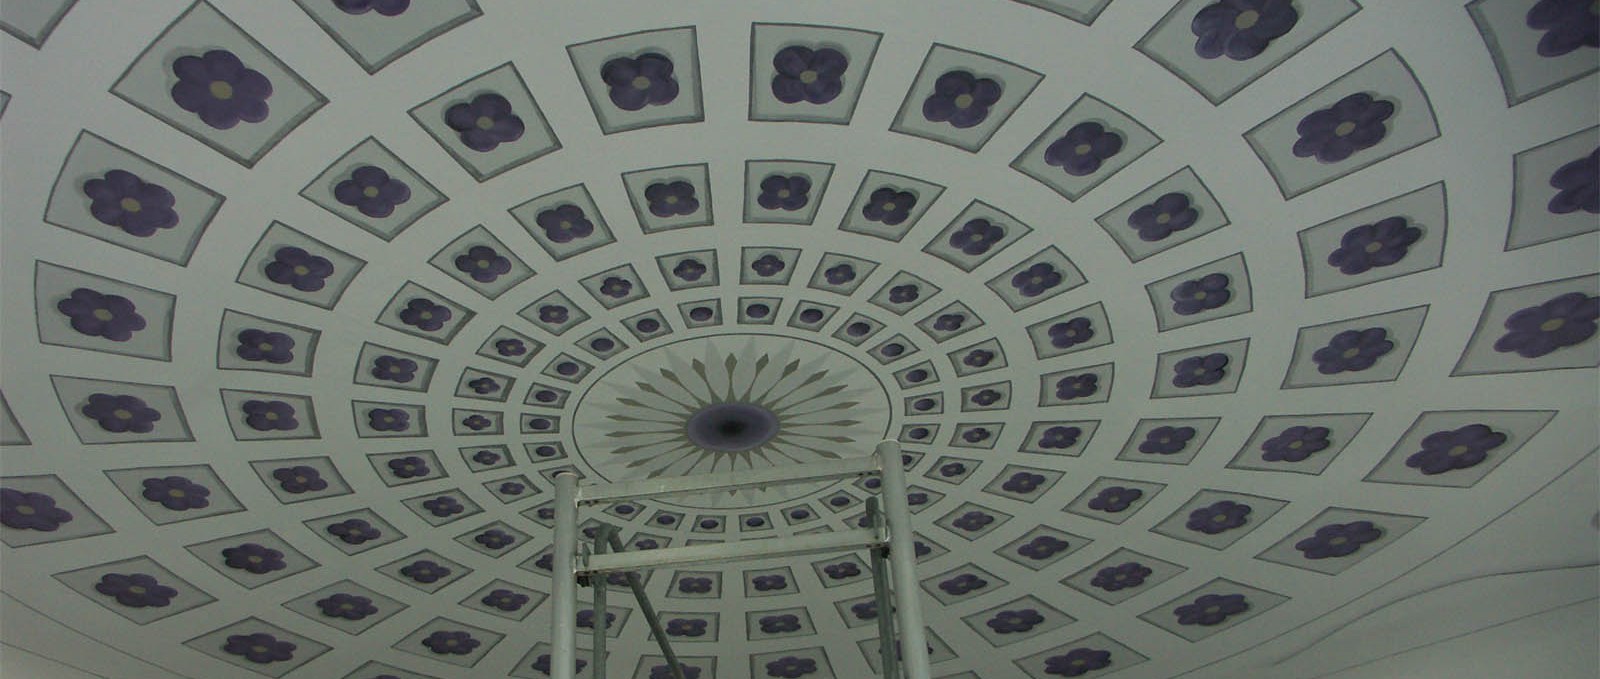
point(732, 427)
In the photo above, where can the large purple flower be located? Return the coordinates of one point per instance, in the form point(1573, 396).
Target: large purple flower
point(977, 236)
point(135, 590)
point(841, 570)
point(1083, 149)
point(219, 88)
point(485, 122)
point(372, 191)
point(1114, 499)
point(443, 506)
point(888, 206)
point(495, 538)
point(1169, 213)
point(904, 294)
point(121, 414)
point(1211, 609)
point(269, 415)
point(299, 269)
point(961, 99)
point(1023, 482)
point(586, 619)
point(1295, 444)
point(1121, 576)
point(686, 627)
point(394, 369)
point(1563, 321)
point(1070, 333)
point(354, 531)
point(1077, 386)
point(259, 648)
point(176, 493)
point(671, 199)
point(1197, 371)
point(962, 584)
point(564, 223)
point(1012, 622)
point(1166, 440)
point(791, 667)
point(506, 600)
point(264, 345)
point(1373, 245)
point(1077, 662)
point(1241, 29)
point(1201, 294)
point(1034, 280)
point(769, 583)
point(510, 346)
point(1353, 351)
point(1354, 123)
point(768, 266)
point(1218, 517)
point(1567, 25)
point(1042, 547)
point(425, 314)
point(425, 571)
point(1461, 448)
point(23, 510)
point(1338, 539)
point(253, 558)
point(483, 264)
point(409, 467)
point(387, 8)
point(1577, 186)
point(123, 200)
point(637, 82)
point(805, 74)
point(1058, 437)
point(973, 521)
point(779, 624)
point(347, 606)
point(451, 642)
point(299, 479)
point(780, 192)
point(101, 315)
point(697, 585)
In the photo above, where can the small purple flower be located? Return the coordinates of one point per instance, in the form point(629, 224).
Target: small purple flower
point(779, 624)
point(259, 648)
point(616, 287)
point(904, 294)
point(424, 314)
point(1070, 333)
point(1083, 149)
point(121, 414)
point(176, 493)
point(689, 270)
point(263, 345)
point(100, 315)
point(986, 397)
point(483, 385)
point(31, 511)
point(1338, 539)
point(961, 99)
point(1114, 499)
point(1577, 184)
point(494, 538)
point(1042, 547)
point(122, 199)
point(506, 600)
point(425, 571)
point(1198, 371)
point(1563, 321)
point(476, 422)
point(485, 122)
point(443, 506)
point(1166, 440)
point(269, 415)
point(542, 663)
point(299, 269)
point(1241, 29)
point(451, 642)
point(1058, 437)
point(347, 606)
point(976, 435)
point(842, 570)
point(1218, 517)
point(394, 369)
point(510, 346)
point(409, 467)
point(1354, 123)
point(1012, 622)
point(1077, 386)
point(640, 81)
point(1170, 213)
point(1211, 609)
point(1034, 280)
point(135, 590)
point(1567, 25)
point(1023, 482)
point(779, 192)
point(1122, 576)
point(1295, 444)
point(805, 74)
point(483, 264)
point(839, 274)
point(686, 627)
point(220, 89)
point(554, 314)
point(1077, 662)
point(354, 531)
point(1461, 448)
point(949, 322)
point(253, 558)
point(1368, 246)
point(973, 521)
point(671, 199)
point(1202, 294)
point(564, 223)
point(963, 584)
point(769, 583)
point(888, 206)
point(791, 667)
point(977, 236)
point(387, 8)
point(586, 619)
point(513, 488)
point(866, 610)
point(372, 192)
point(768, 266)
point(1353, 351)
point(695, 585)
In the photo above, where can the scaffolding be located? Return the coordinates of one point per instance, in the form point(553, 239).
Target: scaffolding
point(888, 537)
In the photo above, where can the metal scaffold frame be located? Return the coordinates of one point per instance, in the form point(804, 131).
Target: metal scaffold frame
point(889, 538)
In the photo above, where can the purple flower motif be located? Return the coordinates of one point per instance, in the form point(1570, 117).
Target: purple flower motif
point(100, 315)
point(409, 467)
point(123, 200)
point(485, 122)
point(976, 435)
point(1122, 576)
point(688, 270)
point(639, 82)
point(842, 570)
point(542, 663)
point(768, 266)
point(779, 624)
point(1563, 321)
point(554, 314)
point(616, 287)
point(506, 600)
point(1077, 662)
point(779, 192)
point(686, 627)
point(586, 619)
point(1058, 437)
point(1567, 25)
point(1034, 280)
point(372, 192)
point(1241, 29)
point(1338, 539)
point(443, 506)
point(425, 571)
point(253, 558)
point(1070, 333)
point(671, 199)
point(1295, 444)
point(1197, 371)
point(1023, 482)
point(176, 493)
point(1368, 246)
point(866, 610)
point(483, 385)
point(904, 294)
point(495, 539)
point(963, 584)
point(514, 488)
point(564, 223)
point(354, 531)
point(394, 369)
point(665, 672)
point(1077, 386)
point(476, 422)
point(1218, 517)
point(269, 415)
point(839, 274)
point(1166, 440)
point(695, 585)
point(510, 346)
point(424, 314)
point(1461, 448)
point(791, 667)
point(298, 269)
point(387, 8)
point(973, 521)
point(1353, 351)
point(263, 345)
point(888, 206)
point(1012, 622)
point(769, 583)
point(135, 590)
point(259, 648)
point(483, 264)
point(1201, 294)
point(804, 74)
point(31, 511)
point(977, 236)
point(961, 99)
point(1211, 609)
point(1083, 149)
point(220, 89)
point(986, 397)
point(1114, 499)
point(1170, 213)
point(121, 414)
point(1577, 185)
point(451, 642)
point(949, 322)
point(1354, 123)
point(347, 606)
point(1042, 547)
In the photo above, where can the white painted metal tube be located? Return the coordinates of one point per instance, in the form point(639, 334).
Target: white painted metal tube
point(564, 611)
point(731, 551)
point(705, 483)
point(903, 563)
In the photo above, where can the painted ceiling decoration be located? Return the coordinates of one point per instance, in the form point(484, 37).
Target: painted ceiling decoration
point(1196, 320)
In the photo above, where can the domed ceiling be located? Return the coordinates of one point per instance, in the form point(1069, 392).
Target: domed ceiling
point(1196, 320)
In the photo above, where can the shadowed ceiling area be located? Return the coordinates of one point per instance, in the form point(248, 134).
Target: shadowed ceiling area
point(1223, 337)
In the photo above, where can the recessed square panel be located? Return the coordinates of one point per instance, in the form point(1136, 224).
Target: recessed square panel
point(490, 123)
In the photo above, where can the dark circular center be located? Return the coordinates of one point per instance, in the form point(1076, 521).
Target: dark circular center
point(732, 427)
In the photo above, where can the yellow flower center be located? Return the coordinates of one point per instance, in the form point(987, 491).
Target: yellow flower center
point(136, 590)
point(301, 270)
point(1338, 540)
point(130, 205)
point(253, 559)
point(272, 416)
point(1200, 295)
point(672, 200)
point(102, 314)
point(483, 263)
point(808, 76)
point(258, 649)
point(963, 100)
point(370, 192)
point(1163, 218)
point(175, 492)
point(264, 347)
point(1373, 248)
point(1352, 352)
point(641, 83)
point(1246, 20)
point(1553, 324)
point(1212, 610)
point(1082, 149)
point(26, 510)
point(783, 193)
point(1296, 445)
point(426, 315)
point(122, 414)
point(485, 122)
point(1344, 128)
point(221, 90)
point(1458, 451)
